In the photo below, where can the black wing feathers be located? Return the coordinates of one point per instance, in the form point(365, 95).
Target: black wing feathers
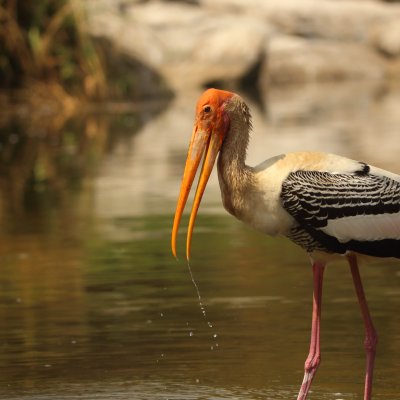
point(313, 198)
point(316, 197)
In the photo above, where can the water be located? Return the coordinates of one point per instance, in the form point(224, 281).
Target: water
point(94, 306)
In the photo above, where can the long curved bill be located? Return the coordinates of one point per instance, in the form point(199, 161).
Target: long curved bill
point(202, 143)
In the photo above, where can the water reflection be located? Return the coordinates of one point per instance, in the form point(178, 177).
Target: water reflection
point(94, 306)
point(42, 163)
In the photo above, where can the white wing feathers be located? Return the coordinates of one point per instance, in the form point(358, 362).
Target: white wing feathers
point(364, 227)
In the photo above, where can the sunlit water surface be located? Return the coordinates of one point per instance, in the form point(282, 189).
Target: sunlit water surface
point(94, 306)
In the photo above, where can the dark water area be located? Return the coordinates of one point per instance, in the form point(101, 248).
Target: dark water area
point(94, 306)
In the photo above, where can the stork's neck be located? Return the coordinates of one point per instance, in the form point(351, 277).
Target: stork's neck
point(235, 177)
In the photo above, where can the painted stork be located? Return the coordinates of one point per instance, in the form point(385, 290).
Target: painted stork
point(325, 203)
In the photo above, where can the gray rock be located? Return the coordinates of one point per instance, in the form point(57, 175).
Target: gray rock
point(188, 45)
point(349, 20)
point(191, 44)
point(296, 60)
point(386, 37)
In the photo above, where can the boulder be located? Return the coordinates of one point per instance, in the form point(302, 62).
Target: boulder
point(386, 37)
point(349, 20)
point(189, 46)
point(296, 60)
point(193, 43)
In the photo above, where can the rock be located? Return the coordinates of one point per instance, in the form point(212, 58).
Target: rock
point(193, 43)
point(349, 20)
point(188, 45)
point(386, 38)
point(297, 60)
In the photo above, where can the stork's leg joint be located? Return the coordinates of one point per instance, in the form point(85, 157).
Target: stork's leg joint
point(371, 337)
point(370, 342)
point(312, 362)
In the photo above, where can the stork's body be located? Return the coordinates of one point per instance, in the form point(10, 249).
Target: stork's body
point(322, 202)
point(325, 203)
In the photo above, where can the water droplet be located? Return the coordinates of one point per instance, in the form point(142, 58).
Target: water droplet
point(197, 380)
point(202, 308)
point(161, 314)
point(197, 290)
point(215, 335)
point(190, 333)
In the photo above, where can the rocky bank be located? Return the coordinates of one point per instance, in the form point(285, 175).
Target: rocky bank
point(195, 43)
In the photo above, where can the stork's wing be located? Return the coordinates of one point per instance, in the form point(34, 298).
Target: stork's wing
point(357, 211)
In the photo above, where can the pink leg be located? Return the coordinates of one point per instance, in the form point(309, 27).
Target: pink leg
point(371, 338)
point(314, 355)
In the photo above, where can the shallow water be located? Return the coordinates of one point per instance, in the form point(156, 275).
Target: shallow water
point(94, 306)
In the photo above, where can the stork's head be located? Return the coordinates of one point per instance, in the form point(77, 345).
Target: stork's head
point(210, 127)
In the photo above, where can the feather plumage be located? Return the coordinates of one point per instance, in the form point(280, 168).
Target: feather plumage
point(339, 212)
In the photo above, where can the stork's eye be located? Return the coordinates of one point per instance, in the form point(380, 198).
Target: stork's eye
point(207, 109)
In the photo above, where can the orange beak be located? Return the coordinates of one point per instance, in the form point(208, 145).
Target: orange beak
point(203, 142)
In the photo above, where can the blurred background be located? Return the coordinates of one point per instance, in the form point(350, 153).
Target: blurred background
point(96, 108)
